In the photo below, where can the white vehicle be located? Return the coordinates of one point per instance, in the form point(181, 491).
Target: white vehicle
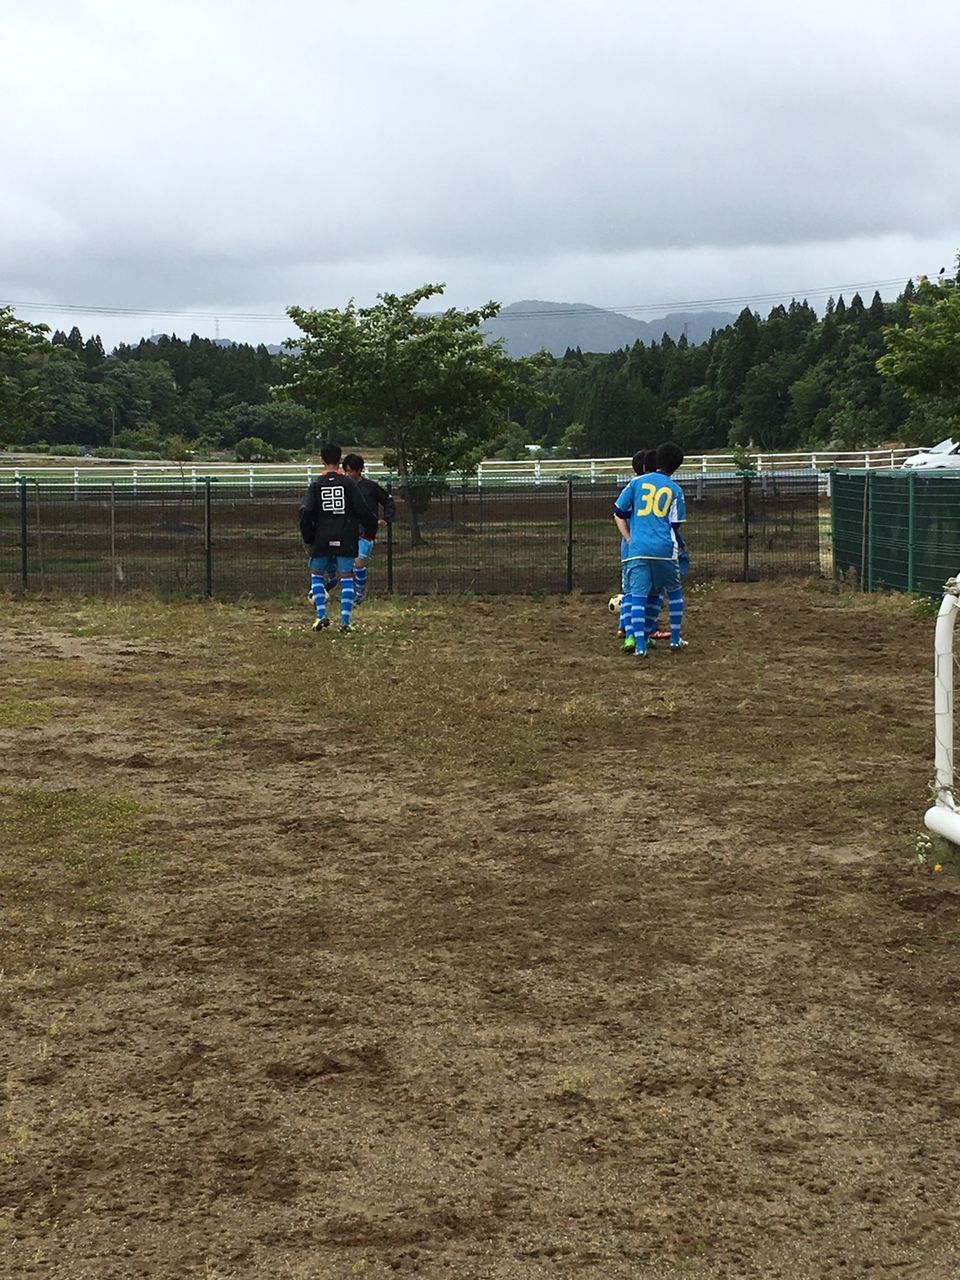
point(942, 455)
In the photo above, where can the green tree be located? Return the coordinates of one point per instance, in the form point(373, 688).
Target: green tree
point(253, 449)
point(22, 349)
point(432, 384)
point(923, 355)
point(693, 421)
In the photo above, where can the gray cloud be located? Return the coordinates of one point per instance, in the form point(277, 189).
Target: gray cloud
point(238, 156)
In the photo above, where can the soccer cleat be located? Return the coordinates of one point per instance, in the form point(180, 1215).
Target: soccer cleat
point(345, 628)
point(640, 653)
point(321, 624)
point(359, 598)
point(675, 648)
point(651, 642)
point(629, 644)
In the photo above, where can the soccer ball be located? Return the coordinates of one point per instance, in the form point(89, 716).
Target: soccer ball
point(613, 604)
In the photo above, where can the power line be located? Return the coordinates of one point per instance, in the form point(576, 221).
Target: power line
point(568, 312)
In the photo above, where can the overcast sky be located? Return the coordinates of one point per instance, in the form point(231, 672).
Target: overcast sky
point(228, 156)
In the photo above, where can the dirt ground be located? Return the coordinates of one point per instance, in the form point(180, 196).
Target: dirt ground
point(465, 947)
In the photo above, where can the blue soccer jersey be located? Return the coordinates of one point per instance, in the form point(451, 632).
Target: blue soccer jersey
point(652, 504)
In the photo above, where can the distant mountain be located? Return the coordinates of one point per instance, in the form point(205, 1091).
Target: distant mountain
point(274, 348)
point(530, 326)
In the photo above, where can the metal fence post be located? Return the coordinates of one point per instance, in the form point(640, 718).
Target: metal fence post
point(389, 488)
point(23, 532)
point(43, 577)
point(868, 527)
point(569, 535)
point(911, 530)
point(113, 539)
point(208, 535)
point(746, 528)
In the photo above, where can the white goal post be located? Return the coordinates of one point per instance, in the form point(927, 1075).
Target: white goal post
point(943, 816)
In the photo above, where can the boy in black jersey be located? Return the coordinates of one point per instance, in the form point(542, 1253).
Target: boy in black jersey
point(378, 500)
point(333, 513)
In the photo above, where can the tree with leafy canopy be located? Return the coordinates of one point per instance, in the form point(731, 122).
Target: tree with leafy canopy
point(433, 385)
point(923, 354)
point(23, 347)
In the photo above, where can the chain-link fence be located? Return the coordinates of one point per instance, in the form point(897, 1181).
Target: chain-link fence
point(897, 530)
point(215, 539)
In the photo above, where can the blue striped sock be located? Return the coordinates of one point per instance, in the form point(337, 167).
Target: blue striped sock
point(346, 600)
point(637, 611)
point(319, 594)
point(652, 611)
point(360, 578)
point(675, 602)
point(626, 612)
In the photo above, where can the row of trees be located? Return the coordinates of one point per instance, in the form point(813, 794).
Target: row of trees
point(791, 381)
point(438, 395)
point(161, 396)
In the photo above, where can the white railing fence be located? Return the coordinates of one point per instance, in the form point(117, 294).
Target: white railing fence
point(535, 470)
point(943, 816)
point(706, 464)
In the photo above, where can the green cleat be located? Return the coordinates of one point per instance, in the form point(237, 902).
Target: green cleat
point(629, 644)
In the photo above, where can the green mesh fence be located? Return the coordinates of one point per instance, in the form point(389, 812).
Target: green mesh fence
point(208, 537)
point(896, 530)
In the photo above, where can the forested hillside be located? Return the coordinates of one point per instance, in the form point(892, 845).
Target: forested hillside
point(792, 380)
point(787, 382)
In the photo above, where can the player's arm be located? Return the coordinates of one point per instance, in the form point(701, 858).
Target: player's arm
point(308, 516)
point(386, 504)
point(621, 511)
point(677, 517)
point(361, 509)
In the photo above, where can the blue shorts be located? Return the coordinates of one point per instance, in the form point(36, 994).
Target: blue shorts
point(366, 548)
point(331, 564)
point(643, 577)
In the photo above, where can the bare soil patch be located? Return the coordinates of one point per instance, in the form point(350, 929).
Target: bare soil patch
point(464, 946)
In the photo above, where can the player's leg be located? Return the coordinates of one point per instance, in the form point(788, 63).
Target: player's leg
point(626, 612)
point(360, 568)
point(345, 573)
point(319, 566)
point(651, 612)
point(667, 574)
point(675, 605)
point(641, 585)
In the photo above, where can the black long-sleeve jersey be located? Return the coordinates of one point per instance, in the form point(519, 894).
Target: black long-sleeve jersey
point(334, 511)
point(377, 498)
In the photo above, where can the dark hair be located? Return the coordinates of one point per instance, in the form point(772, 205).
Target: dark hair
point(638, 466)
point(669, 458)
point(649, 459)
point(353, 462)
point(331, 453)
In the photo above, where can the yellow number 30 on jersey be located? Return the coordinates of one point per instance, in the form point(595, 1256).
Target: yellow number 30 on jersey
point(655, 501)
